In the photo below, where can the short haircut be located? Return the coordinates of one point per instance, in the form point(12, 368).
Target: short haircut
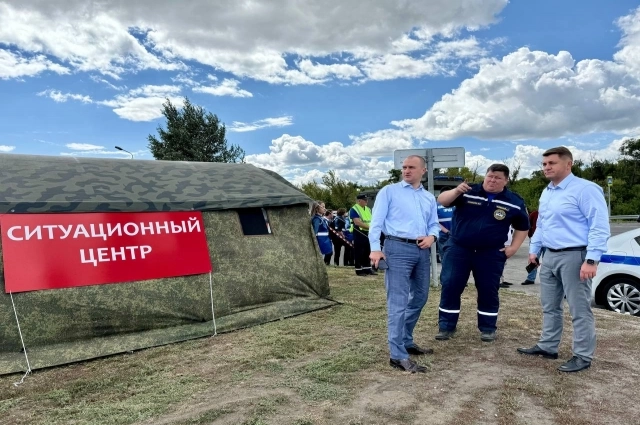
point(342, 211)
point(561, 151)
point(422, 161)
point(499, 168)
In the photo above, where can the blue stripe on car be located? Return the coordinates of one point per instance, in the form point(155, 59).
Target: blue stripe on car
point(621, 259)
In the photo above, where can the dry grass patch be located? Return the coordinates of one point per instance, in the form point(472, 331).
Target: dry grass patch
point(331, 367)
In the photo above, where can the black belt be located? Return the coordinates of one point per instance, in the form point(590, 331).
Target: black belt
point(395, 238)
point(571, 248)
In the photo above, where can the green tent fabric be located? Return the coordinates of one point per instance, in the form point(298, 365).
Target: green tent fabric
point(68, 184)
point(256, 279)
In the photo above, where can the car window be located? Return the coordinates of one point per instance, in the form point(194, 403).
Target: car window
point(637, 238)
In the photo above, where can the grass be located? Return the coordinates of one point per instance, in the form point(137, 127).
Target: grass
point(331, 366)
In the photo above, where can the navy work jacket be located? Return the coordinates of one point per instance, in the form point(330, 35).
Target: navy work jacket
point(482, 219)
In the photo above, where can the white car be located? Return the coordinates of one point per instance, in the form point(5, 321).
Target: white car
point(617, 282)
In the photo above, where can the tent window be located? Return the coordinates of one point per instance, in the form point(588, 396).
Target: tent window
point(254, 221)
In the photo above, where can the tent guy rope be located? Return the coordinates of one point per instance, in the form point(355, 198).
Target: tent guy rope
point(21, 340)
point(213, 314)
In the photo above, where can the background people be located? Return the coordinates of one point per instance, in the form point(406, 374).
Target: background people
point(321, 230)
point(360, 215)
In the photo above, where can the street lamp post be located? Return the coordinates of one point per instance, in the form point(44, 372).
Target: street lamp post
point(124, 150)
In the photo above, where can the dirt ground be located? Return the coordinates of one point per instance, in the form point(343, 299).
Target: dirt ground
point(331, 367)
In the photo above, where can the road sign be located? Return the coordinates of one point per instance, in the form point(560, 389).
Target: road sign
point(610, 181)
point(441, 157)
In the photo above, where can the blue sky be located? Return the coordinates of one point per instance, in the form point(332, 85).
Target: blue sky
point(306, 87)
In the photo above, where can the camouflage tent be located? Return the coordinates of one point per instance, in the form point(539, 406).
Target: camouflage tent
point(256, 278)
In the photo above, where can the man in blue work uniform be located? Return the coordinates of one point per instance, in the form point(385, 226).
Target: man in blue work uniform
point(481, 221)
point(406, 213)
point(573, 226)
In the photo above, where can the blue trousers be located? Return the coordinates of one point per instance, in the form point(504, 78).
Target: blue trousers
point(407, 284)
point(487, 266)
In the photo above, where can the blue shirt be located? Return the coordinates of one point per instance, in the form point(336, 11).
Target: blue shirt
point(482, 220)
point(573, 213)
point(403, 211)
point(445, 214)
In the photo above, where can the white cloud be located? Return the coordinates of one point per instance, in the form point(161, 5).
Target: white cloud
point(248, 39)
point(83, 147)
point(141, 104)
point(60, 97)
point(228, 87)
point(98, 79)
point(151, 90)
point(6, 149)
point(144, 108)
point(79, 34)
point(144, 103)
point(15, 65)
point(301, 160)
point(532, 94)
point(320, 72)
point(380, 143)
point(240, 127)
point(443, 57)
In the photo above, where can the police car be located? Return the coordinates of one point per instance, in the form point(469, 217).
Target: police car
point(617, 283)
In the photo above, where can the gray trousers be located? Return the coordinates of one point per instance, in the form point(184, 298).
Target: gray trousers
point(560, 276)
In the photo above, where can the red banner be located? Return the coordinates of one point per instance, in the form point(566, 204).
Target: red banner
point(50, 251)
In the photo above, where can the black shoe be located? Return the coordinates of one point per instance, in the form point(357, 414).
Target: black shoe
point(488, 336)
point(576, 364)
point(444, 335)
point(407, 365)
point(528, 282)
point(418, 351)
point(373, 273)
point(504, 285)
point(537, 351)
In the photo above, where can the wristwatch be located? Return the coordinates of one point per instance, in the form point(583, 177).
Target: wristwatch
point(592, 262)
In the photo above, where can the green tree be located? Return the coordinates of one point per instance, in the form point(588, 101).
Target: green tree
point(316, 192)
point(192, 135)
point(630, 150)
point(395, 175)
point(342, 193)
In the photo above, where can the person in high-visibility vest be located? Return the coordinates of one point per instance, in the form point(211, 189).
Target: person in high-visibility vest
point(360, 215)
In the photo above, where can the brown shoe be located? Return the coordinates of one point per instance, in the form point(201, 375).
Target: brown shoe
point(407, 365)
point(418, 351)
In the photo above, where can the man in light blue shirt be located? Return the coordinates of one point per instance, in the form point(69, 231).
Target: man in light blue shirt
point(573, 226)
point(407, 215)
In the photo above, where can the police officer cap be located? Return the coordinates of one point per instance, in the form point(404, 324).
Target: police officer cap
point(362, 196)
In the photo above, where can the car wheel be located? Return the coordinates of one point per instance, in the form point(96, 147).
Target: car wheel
point(623, 295)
